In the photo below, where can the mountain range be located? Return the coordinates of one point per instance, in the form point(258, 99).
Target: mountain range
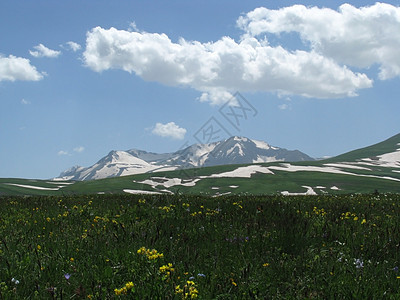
point(263, 172)
point(234, 150)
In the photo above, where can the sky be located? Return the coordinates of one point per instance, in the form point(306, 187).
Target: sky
point(81, 78)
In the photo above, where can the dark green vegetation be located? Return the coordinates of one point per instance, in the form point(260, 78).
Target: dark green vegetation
point(247, 247)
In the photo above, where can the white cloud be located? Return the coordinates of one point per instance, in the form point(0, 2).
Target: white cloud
point(74, 46)
point(62, 152)
point(17, 68)
point(358, 37)
point(25, 102)
point(43, 51)
point(222, 67)
point(169, 130)
point(284, 106)
point(133, 26)
point(79, 149)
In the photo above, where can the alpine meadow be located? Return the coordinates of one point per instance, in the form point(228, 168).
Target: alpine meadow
point(199, 149)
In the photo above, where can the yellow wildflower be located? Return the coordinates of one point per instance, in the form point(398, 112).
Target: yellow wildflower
point(117, 292)
point(178, 289)
point(233, 282)
point(129, 285)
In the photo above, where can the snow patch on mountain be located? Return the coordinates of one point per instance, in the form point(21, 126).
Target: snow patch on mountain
point(167, 182)
point(34, 187)
point(309, 191)
point(243, 172)
point(347, 166)
point(391, 159)
point(140, 192)
point(234, 150)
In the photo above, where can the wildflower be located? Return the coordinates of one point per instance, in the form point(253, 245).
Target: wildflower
point(363, 221)
point(167, 269)
point(266, 265)
point(67, 276)
point(191, 278)
point(124, 290)
point(178, 289)
point(16, 281)
point(233, 282)
point(71, 259)
point(396, 269)
point(39, 247)
point(129, 285)
point(359, 263)
point(150, 254)
point(201, 275)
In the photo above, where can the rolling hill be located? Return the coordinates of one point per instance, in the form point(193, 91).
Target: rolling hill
point(373, 168)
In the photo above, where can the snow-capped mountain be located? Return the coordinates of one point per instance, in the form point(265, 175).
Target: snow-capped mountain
point(235, 150)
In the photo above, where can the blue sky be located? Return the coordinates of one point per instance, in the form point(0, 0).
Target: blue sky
point(81, 78)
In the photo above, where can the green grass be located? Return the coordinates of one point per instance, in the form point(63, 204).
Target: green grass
point(238, 247)
point(387, 146)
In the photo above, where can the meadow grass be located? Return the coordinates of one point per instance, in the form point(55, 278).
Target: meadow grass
point(184, 247)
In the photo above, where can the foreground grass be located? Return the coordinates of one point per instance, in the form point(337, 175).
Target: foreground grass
point(181, 247)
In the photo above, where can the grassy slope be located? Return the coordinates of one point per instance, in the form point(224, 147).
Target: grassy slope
point(259, 183)
point(386, 146)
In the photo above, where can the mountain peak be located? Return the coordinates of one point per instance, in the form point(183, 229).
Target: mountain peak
point(234, 150)
point(239, 138)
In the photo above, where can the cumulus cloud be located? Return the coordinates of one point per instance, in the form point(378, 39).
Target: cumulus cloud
point(358, 37)
point(73, 46)
point(217, 69)
point(25, 102)
point(17, 68)
point(62, 152)
point(43, 51)
point(170, 130)
point(283, 106)
point(79, 149)
point(133, 26)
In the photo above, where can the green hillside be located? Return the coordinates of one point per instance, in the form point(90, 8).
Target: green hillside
point(389, 145)
point(346, 173)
